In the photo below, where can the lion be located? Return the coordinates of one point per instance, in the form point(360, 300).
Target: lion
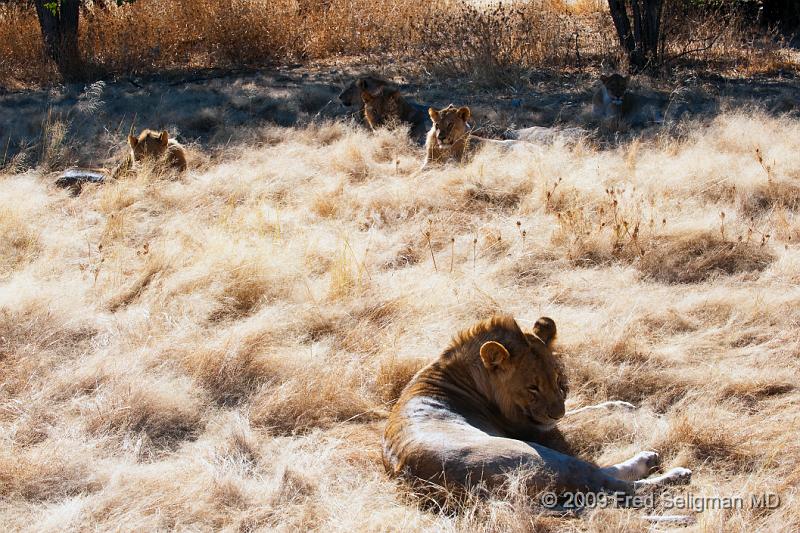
point(548, 135)
point(352, 95)
point(471, 416)
point(450, 137)
point(156, 147)
point(612, 99)
point(386, 106)
point(618, 108)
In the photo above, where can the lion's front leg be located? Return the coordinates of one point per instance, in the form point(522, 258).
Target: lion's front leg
point(563, 473)
point(673, 476)
point(637, 467)
point(569, 473)
point(432, 154)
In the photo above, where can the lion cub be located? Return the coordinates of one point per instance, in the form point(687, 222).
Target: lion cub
point(450, 138)
point(353, 95)
point(386, 106)
point(156, 147)
point(612, 99)
point(618, 108)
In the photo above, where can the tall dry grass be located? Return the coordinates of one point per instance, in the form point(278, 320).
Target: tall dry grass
point(495, 43)
point(218, 352)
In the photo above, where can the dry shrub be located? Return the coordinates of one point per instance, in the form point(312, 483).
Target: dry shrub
point(326, 205)
point(32, 340)
point(768, 196)
point(531, 269)
point(751, 392)
point(493, 44)
point(510, 507)
point(240, 445)
point(503, 199)
point(695, 257)
point(166, 411)
point(357, 329)
point(141, 36)
point(352, 161)
point(52, 147)
point(21, 51)
point(393, 375)
point(245, 287)
point(713, 33)
point(707, 440)
point(496, 45)
point(45, 473)
point(231, 370)
point(19, 242)
point(605, 232)
point(151, 36)
point(154, 264)
point(315, 397)
point(40, 325)
point(642, 383)
point(238, 278)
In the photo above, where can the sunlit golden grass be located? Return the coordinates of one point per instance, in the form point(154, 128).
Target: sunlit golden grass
point(219, 351)
point(495, 43)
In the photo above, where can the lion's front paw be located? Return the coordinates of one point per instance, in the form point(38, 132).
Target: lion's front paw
point(677, 476)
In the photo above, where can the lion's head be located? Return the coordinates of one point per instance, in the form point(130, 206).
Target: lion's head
point(352, 94)
point(148, 145)
point(450, 124)
point(526, 380)
point(382, 106)
point(616, 85)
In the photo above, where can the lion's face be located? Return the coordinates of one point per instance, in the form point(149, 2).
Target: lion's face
point(528, 379)
point(352, 94)
point(382, 105)
point(148, 145)
point(616, 86)
point(450, 124)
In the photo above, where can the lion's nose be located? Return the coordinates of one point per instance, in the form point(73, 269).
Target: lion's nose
point(557, 411)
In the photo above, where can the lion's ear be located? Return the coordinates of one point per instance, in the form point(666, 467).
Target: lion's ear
point(165, 137)
point(493, 355)
point(433, 114)
point(464, 113)
point(545, 329)
point(132, 141)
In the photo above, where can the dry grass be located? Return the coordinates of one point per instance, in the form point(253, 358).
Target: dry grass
point(495, 43)
point(218, 352)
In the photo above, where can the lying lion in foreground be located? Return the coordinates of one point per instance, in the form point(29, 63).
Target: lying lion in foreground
point(462, 420)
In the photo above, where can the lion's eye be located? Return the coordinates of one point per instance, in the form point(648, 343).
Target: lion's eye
point(533, 389)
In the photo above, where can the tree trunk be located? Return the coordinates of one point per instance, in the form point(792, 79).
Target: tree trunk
point(639, 31)
point(60, 34)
